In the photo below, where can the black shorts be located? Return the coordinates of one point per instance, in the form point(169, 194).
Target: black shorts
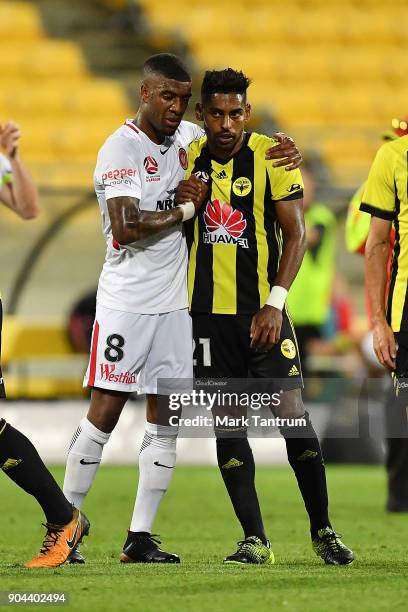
point(222, 350)
point(2, 388)
point(400, 375)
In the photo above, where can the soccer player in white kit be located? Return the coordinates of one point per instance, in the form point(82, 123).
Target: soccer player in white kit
point(142, 330)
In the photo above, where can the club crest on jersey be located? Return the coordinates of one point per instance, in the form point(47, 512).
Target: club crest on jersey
point(242, 186)
point(183, 158)
point(288, 350)
point(151, 166)
point(225, 225)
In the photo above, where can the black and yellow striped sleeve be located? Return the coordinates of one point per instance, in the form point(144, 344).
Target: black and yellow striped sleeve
point(285, 185)
point(379, 195)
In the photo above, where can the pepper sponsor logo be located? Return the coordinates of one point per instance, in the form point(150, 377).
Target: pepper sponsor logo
point(225, 225)
point(108, 372)
point(119, 173)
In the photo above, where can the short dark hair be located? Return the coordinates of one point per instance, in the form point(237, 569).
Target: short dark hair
point(224, 81)
point(167, 65)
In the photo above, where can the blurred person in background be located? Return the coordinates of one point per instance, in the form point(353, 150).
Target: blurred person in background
point(357, 231)
point(19, 459)
point(310, 295)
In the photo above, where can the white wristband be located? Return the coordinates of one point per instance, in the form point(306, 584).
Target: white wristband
point(277, 297)
point(188, 209)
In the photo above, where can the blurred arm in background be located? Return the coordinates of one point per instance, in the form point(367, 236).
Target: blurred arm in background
point(17, 189)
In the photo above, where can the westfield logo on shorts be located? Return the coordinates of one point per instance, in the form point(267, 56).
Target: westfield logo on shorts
point(108, 372)
point(225, 225)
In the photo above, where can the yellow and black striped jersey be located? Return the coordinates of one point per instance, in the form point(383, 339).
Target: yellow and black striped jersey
point(235, 240)
point(386, 196)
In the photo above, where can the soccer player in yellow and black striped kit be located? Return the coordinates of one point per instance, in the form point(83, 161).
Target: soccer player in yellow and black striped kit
point(386, 199)
point(246, 246)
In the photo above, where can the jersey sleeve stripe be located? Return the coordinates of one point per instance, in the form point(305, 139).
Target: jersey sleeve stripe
point(387, 215)
point(132, 127)
point(92, 366)
point(293, 196)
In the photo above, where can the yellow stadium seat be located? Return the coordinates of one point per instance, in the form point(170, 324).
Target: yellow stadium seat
point(65, 112)
point(19, 21)
point(333, 67)
point(23, 339)
point(39, 360)
point(40, 58)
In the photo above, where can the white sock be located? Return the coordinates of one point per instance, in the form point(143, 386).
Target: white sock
point(158, 447)
point(84, 457)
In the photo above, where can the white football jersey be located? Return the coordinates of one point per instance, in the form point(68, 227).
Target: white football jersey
point(148, 276)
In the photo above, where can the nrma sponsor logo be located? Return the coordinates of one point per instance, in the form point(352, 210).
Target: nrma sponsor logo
point(224, 224)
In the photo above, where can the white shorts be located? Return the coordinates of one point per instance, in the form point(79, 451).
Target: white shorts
point(129, 351)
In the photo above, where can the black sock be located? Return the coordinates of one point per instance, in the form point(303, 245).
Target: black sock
point(305, 457)
point(20, 461)
point(237, 468)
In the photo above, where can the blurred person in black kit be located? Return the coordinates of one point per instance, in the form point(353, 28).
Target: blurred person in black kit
point(19, 459)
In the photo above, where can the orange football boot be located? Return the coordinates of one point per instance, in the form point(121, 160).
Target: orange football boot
point(60, 540)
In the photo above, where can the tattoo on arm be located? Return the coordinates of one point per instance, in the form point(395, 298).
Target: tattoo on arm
point(130, 224)
point(382, 244)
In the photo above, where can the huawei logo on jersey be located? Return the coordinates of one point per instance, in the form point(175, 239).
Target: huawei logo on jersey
point(225, 225)
point(151, 165)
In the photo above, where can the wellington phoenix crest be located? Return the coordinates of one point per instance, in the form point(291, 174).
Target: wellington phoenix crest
point(225, 225)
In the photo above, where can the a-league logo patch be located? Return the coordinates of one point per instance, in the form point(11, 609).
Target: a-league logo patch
point(288, 348)
point(150, 164)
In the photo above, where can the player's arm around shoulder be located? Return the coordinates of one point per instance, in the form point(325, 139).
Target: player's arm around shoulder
point(284, 152)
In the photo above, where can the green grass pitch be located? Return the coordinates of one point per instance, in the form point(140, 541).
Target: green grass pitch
point(196, 521)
